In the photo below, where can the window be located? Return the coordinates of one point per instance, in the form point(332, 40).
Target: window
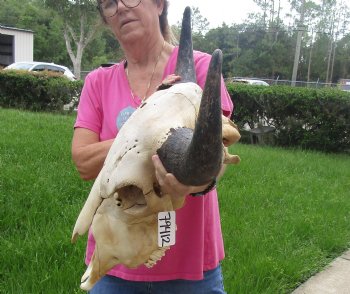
point(55, 69)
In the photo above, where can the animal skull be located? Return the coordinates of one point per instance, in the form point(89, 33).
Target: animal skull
point(125, 199)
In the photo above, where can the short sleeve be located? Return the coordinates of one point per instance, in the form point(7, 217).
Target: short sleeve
point(202, 61)
point(89, 109)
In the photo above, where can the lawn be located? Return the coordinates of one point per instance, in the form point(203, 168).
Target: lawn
point(285, 213)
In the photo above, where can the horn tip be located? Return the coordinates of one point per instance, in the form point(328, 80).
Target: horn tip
point(217, 54)
point(186, 16)
point(187, 10)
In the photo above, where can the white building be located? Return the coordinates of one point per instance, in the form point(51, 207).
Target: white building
point(15, 45)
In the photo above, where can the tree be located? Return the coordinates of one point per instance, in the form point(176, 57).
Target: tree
point(81, 23)
point(262, 46)
point(200, 23)
point(271, 12)
point(342, 66)
point(298, 43)
point(48, 44)
point(225, 38)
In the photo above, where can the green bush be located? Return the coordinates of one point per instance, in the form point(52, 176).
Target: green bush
point(310, 118)
point(37, 91)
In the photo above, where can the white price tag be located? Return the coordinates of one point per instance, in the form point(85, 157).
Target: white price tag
point(166, 228)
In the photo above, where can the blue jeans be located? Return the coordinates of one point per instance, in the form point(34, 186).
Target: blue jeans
point(211, 284)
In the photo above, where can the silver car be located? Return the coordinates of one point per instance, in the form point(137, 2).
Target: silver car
point(249, 81)
point(41, 66)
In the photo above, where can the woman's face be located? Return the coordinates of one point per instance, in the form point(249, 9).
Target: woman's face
point(133, 24)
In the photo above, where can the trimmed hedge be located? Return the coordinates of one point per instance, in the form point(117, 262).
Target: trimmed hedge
point(37, 91)
point(316, 119)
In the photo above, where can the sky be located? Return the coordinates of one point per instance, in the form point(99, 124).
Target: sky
point(216, 12)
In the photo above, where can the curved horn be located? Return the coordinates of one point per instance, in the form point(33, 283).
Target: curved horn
point(185, 64)
point(195, 157)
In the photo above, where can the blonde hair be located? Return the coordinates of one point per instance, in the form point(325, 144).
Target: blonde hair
point(165, 28)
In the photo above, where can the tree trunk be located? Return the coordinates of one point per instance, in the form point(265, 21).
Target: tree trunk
point(298, 45)
point(80, 43)
point(333, 58)
point(329, 59)
point(310, 58)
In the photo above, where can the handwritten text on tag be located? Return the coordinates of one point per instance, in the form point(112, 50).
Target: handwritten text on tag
point(166, 228)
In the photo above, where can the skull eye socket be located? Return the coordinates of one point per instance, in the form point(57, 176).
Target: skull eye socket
point(131, 195)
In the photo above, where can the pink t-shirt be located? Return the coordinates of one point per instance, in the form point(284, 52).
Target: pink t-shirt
point(105, 104)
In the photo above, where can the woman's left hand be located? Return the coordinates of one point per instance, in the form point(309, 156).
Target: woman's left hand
point(168, 82)
point(169, 184)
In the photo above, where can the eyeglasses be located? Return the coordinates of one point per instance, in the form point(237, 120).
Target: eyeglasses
point(110, 7)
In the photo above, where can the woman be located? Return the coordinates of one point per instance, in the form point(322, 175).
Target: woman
point(109, 96)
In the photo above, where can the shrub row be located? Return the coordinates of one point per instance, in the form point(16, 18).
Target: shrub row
point(37, 91)
point(316, 119)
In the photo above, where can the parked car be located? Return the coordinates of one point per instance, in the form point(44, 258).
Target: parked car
point(41, 66)
point(344, 85)
point(249, 81)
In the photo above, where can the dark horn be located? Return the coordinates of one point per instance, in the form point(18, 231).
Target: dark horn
point(207, 136)
point(185, 64)
point(195, 157)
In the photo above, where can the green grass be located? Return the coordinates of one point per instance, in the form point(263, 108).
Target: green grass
point(285, 213)
point(40, 197)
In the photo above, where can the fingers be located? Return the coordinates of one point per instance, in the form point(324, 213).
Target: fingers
point(171, 181)
point(159, 169)
point(162, 175)
point(168, 82)
point(167, 181)
point(171, 79)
